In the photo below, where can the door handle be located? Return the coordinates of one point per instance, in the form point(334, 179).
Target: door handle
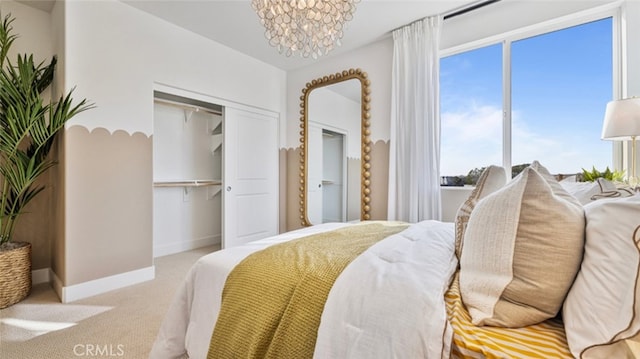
point(228, 188)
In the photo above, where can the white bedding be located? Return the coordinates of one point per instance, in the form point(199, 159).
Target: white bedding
point(388, 303)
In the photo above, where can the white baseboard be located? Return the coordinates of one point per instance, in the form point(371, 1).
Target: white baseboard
point(101, 285)
point(56, 283)
point(160, 250)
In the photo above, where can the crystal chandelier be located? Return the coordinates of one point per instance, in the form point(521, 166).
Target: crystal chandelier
point(305, 27)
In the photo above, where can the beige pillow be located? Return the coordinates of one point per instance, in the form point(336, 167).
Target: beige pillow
point(523, 246)
point(602, 308)
point(491, 179)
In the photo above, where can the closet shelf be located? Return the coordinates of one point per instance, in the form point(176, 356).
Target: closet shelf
point(216, 143)
point(215, 125)
point(214, 191)
point(190, 183)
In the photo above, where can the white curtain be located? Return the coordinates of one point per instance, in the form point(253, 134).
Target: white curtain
point(414, 158)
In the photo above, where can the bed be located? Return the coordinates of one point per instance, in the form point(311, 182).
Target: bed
point(410, 292)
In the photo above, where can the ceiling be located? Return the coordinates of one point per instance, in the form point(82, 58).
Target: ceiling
point(233, 22)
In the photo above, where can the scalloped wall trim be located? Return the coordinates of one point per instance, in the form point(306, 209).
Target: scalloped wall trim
point(102, 130)
point(108, 203)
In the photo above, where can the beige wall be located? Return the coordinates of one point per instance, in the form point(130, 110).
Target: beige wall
point(282, 190)
point(379, 179)
point(116, 179)
point(37, 225)
point(292, 188)
point(58, 256)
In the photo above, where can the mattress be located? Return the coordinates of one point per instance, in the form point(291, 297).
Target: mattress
point(388, 302)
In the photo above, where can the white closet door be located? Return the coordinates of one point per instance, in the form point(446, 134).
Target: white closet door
point(250, 177)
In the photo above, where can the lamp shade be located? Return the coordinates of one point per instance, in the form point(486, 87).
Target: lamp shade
point(622, 119)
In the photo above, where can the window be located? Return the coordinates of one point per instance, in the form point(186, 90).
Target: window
point(559, 83)
point(471, 111)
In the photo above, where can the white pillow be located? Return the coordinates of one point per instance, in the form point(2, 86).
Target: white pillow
point(523, 246)
point(567, 178)
point(587, 192)
point(491, 179)
point(603, 306)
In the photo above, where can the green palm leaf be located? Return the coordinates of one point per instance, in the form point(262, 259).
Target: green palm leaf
point(28, 128)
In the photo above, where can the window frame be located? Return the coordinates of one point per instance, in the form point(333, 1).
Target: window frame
point(615, 11)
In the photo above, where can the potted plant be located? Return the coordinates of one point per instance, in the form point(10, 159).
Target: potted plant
point(594, 174)
point(28, 127)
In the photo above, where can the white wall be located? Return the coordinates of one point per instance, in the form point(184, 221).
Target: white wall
point(632, 65)
point(452, 198)
point(115, 54)
point(506, 16)
point(374, 59)
point(632, 22)
point(335, 111)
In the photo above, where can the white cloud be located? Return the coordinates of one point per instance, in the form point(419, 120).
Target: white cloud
point(479, 123)
point(472, 138)
point(557, 151)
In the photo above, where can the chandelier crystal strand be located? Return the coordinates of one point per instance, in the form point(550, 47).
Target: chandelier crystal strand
point(305, 27)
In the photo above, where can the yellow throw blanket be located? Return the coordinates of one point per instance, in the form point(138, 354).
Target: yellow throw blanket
point(273, 300)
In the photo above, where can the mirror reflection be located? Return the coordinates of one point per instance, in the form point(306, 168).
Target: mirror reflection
point(334, 189)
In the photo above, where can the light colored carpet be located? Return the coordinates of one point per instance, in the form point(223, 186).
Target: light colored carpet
point(122, 323)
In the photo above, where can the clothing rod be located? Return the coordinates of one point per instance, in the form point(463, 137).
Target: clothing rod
point(187, 106)
point(467, 9)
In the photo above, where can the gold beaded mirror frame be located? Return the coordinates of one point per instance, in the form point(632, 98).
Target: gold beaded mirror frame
point(365, 142)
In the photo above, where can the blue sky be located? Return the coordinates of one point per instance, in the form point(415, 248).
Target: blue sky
point(561, 83)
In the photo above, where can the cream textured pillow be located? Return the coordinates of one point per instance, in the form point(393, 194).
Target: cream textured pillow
point(603, 306)
point(491, 179)
point(523, 246)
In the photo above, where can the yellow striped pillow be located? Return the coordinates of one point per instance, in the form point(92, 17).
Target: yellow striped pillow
point(542, 340)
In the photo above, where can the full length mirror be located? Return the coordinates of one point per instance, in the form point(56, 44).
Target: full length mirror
point(335, 149)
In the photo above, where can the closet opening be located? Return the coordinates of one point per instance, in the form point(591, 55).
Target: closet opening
point(187, 173)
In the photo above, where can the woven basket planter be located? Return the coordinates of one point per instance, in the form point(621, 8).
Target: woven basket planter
point(15, 273)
